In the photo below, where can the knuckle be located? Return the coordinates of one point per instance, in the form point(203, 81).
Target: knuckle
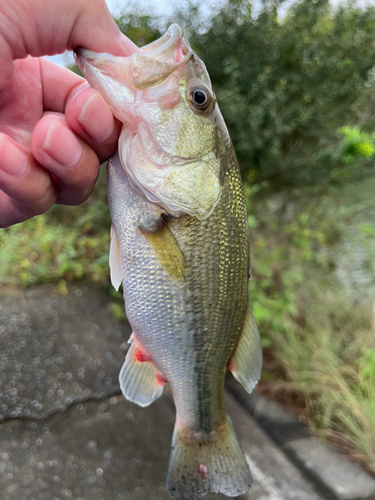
point(86, 172)
point(37, 201)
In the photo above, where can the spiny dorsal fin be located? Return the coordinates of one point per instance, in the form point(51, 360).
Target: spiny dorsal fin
point(115, 260)
point(140, 381)
point(246, 362)
point(166, 249)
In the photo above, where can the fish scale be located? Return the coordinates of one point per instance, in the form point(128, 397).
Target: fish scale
point(180, 247)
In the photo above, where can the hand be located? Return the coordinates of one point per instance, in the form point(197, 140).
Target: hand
point(54, 129)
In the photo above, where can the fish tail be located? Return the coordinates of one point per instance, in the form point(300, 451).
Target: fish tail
point(215, 463)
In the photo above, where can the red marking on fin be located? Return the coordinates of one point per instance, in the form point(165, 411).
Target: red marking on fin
point(249, 274)
point(161, 380)
point(203, 471)
point(230, 365)
point(141, 356)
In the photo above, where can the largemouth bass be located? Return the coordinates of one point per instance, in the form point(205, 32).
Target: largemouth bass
point(180, 248)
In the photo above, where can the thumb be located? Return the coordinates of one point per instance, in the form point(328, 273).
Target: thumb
point(42, 27)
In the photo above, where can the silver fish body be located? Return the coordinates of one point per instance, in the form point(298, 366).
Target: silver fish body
point(180, 247)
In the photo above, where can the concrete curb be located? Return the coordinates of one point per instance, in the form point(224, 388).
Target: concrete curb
point(335, 475)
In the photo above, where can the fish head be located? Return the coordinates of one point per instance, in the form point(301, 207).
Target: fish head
point(173, 134)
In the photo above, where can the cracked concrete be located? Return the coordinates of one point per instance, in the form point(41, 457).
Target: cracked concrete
point(56, 350)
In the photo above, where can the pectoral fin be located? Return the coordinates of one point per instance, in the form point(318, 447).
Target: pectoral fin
point(166, 249)
point(140, 381)
point(115, 260)
point(246, 363)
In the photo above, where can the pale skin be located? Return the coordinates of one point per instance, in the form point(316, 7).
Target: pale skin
point(54, 129)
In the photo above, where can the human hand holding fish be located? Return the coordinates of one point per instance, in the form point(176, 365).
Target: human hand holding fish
point(54, 129)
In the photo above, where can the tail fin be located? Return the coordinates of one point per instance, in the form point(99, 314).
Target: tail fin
point(198, 467)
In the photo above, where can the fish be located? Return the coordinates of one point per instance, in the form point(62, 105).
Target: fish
point(180, 248)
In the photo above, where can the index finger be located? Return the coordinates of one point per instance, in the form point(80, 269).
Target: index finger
point(46, 28)
point(59, 84)
point(87, 114)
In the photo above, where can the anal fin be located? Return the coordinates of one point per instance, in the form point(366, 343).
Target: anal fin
point(140, 381)
point(246, 362)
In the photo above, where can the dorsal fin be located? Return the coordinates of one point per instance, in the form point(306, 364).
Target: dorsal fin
point(115, 260)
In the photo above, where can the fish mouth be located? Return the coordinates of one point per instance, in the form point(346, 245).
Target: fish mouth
point(81, 53)
point(147, 68)
point(143, 91)
point(120, 79)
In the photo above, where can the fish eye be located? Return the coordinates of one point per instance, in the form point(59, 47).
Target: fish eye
point(200, 98)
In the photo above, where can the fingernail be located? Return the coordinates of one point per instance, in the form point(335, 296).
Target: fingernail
point(13, 161)
point(96, 118)
point(62, 145)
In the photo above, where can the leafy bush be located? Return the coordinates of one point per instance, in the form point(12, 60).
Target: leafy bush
point(287, 85)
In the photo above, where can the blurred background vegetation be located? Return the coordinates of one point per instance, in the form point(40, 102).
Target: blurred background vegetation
point(297, 89)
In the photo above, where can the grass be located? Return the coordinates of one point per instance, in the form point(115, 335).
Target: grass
point(318, 336)
point(331, 361)
point(68, 243)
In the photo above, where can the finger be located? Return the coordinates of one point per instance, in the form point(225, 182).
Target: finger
point(86, 112)
point(47, 28)
point(73, 164)
point(40, 85)
point(9, 214)
point(26, 188)
point(58, 85)
point(89, 116)
point(21, 102)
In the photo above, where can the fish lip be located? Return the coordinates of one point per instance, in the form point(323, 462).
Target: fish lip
point(172, 37)
point(85, 58)
point(156, 49)
point(166, 42)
